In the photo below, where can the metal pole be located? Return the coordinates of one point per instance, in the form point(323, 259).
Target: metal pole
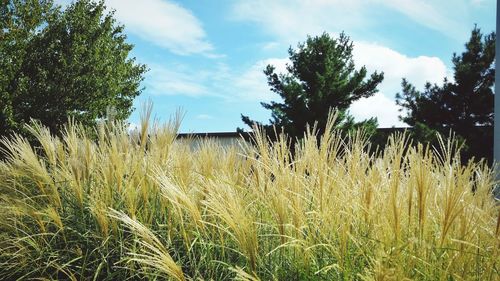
point(496, 132)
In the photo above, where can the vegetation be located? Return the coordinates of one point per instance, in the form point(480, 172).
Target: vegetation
point(464, 105)
point(321, 77)
point(56, 64)
point(146, 206)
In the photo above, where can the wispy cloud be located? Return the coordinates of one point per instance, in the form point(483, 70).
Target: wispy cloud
point(168, 81)
point(294, 19)
point(163, 23)
point(271, 46)
point(443, 16)
point(219, 80)
point(204, 117)
point(251, 84)
point(479, 2)
point(291, 20)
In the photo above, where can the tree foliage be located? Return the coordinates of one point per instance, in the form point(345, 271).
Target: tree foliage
point(464, 105)
point(56, 64)
point(322, 76)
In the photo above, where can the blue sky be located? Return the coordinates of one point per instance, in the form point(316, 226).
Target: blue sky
point(206, 57)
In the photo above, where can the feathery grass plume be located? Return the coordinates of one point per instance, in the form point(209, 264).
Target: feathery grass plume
point(330, 208)
point(241, 275)
point(152, 251)
point(29, 173)
point(227, 204)
point(185, 203)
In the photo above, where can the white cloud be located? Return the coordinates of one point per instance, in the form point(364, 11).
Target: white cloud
point(418, 70)
point(204, 117)
point(443, 16)
point(218, 81)
point(161, 80)
point(478, 2)
point(292, 20)
point(396, 66)
point(251, 85)
point(270, 46)
point(379, 106)
point(164, 23)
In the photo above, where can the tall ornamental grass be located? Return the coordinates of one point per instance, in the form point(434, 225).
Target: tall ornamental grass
point(104, 204)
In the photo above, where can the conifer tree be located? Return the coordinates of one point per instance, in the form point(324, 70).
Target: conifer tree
point(322, 76)
point(463, 105)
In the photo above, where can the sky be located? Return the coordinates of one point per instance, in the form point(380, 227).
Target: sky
point(206, 58)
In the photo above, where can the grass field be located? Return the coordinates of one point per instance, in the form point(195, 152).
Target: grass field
point(106, 205)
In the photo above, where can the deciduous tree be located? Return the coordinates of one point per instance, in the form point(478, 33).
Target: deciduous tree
point(57, 63)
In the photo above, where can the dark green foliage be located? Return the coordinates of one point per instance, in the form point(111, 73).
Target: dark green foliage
point(56, 64)
point(322, 76)
point(464, 106)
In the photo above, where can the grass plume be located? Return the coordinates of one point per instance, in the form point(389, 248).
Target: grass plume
point(108, 204)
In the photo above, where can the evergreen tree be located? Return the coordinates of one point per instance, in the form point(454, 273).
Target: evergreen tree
point(464, 105)
point(56, 64)
point(321, 77)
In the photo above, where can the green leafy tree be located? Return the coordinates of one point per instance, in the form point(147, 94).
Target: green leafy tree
point(464, 105)
point(322, 76)
point(56, 64)
point(19, 21)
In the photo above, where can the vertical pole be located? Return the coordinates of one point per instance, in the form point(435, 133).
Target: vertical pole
point(496, 132)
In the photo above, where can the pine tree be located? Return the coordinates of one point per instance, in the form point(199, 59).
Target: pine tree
point(464, 105)
point(322, 76)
